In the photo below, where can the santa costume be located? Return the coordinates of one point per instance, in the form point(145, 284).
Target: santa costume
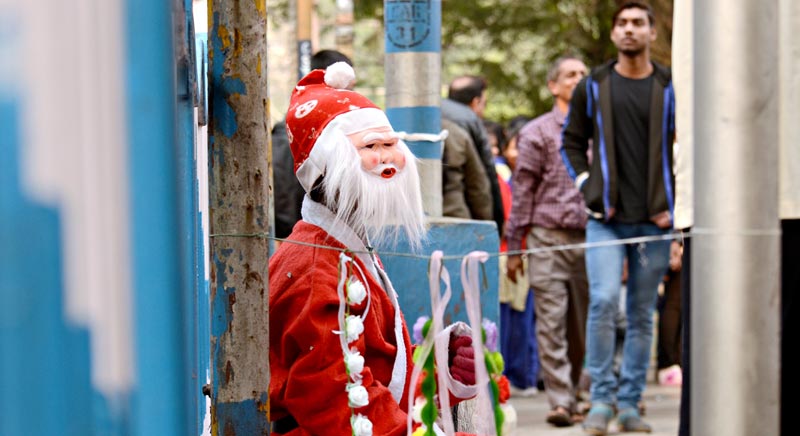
point(329, 376)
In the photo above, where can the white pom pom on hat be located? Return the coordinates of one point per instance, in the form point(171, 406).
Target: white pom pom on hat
point(340, 75)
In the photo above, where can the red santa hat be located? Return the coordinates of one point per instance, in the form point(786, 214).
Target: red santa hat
point(322, 112)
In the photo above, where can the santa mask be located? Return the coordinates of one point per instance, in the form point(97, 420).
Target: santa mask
point(370, 178)
point(379, 151)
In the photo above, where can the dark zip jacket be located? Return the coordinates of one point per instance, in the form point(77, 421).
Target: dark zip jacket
point(590, 122)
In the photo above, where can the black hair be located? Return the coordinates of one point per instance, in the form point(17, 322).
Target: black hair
point(325, 58)
point(499, 132)
point(464, 89)
point(634, 4)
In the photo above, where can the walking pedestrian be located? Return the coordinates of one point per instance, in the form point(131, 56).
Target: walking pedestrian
point(625, 111)
point(547, 210)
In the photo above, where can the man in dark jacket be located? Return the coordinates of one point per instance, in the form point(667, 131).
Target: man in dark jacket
point(464, 106)
point(625, 110)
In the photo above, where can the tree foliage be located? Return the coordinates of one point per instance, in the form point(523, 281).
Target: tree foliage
point(513, 43)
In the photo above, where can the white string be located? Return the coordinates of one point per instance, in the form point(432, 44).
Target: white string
point(577, 246)
point(564, 247)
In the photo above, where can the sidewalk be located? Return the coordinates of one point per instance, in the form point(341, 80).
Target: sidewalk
point(661, 403)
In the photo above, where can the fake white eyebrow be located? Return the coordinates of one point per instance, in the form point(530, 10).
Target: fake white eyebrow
point(379, 137)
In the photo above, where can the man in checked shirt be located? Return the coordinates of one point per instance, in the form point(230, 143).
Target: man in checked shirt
point(548, 210)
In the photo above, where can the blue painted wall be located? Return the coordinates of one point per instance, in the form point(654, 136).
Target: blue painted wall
point(455, 237)
point(44, 362)
point(46, 386)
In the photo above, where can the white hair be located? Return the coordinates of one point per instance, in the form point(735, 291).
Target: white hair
point(375, 208)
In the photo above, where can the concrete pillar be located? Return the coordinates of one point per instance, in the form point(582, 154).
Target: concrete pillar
point(735, 259)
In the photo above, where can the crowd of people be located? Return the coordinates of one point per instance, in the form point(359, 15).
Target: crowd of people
point(596, 168)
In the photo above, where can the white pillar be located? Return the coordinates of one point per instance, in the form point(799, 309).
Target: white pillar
point(736, 248)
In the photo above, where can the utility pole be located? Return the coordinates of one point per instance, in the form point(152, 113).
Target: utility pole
point(304, 48)
point(736, 238)
point(239, 217)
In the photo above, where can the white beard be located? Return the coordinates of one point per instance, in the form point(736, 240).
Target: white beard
point(377, 209)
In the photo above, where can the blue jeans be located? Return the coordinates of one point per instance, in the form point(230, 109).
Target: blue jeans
point(647, 264)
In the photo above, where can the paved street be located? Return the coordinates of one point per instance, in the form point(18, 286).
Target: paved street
point(661, 404)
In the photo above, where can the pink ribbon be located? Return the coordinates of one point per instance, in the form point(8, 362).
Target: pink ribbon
point(439, 302)
point(470, 279)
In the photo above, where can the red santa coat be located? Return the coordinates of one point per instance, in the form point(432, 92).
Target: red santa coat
point(307, 368)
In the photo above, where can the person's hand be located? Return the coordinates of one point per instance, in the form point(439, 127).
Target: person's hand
point(663, 220)
point(462, 359)
point(514, 267)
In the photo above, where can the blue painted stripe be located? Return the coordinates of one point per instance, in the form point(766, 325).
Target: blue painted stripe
point(150, 95)
point(225, 86)
point(603, 152)
point(667, 125)
point(421, 119)
point(413, 25)
point(251, 416)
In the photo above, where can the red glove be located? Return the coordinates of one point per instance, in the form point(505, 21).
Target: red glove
point(462, 359)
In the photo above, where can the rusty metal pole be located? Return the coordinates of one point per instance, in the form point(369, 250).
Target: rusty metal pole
point(239, 217)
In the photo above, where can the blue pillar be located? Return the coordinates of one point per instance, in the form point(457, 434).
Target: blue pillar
point(159, 401)
point(91, 320)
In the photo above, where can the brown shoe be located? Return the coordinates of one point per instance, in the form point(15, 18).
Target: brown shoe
point(559, 417)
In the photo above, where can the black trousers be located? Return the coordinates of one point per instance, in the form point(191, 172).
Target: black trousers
point(790, 286)
point(686, 281)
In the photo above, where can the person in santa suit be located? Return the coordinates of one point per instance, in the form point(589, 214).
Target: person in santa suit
point(340, 354)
